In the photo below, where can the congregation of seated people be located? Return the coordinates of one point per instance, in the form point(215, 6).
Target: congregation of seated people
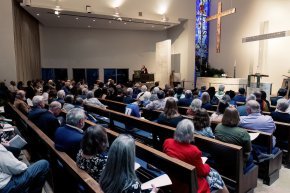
point(90, 147)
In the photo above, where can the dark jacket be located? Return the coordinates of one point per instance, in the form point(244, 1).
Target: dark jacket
point(44, 120)
point(68, 139)
point(184, 102)
point(282, 117)
point(172, 122)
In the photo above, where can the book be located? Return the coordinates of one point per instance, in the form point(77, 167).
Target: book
point(204, 159)
point(137, 166)
point(29, 102)
point(254, 135)
point(2, 109)
point(160, 181)
point(17, 142)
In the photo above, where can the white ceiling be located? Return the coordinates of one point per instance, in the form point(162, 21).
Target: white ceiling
point(73, 13)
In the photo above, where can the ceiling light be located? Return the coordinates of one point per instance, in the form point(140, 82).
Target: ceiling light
point(89, 26)
point(57, 10)
point(94, 20)
point(110, 21)
point(152, 26)
point(58, 16)
point(77, 18)
point(125, 23)
point(37, 14)
point(130, 20)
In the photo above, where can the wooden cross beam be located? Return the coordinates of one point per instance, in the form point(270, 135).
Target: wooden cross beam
point(218, 16)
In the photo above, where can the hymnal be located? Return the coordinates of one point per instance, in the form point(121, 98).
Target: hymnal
point(17, 142)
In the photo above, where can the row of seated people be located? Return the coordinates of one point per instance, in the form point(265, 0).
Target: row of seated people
point(68, 137)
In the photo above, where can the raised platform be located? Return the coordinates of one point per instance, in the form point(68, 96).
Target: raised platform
point(233, 84)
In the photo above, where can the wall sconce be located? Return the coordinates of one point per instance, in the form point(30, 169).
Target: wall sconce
point(88, 9)
point(57, 10)
point(164, 18)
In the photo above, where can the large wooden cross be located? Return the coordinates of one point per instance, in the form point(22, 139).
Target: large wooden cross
point(218, 16)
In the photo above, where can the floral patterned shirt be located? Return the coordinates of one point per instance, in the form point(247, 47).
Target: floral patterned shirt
point(94, 165)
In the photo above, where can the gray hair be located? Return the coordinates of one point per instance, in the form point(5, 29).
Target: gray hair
point(74, 116)
point(37, 100)
point(55, 105)
point(129, 91)
point(119, 172)
point(155, 90)
point(184, 131)
point(195, 104)
point(85, 91)
point(188, 94)
point(90, 94)
point(253, 106)
point(146, 95)
point(221, 87)
point(282, 105)
point(251, 97)
point(143, 88)
point(61, 94)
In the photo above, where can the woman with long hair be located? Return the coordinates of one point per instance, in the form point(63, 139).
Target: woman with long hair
point(170, 115)
point(90, 157)
point(229, 132)
point(202, 123)
point(119, 175)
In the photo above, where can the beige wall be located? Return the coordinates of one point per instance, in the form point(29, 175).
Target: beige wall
point(182, 38)
point(246, 22)
point(84, 48)
point(7, 52)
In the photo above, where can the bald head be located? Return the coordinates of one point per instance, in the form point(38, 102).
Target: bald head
point(20, 94)
point(253, 107)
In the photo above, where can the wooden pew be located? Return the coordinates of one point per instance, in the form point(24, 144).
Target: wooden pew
point(114, 105)
point(268, 169)
point(181, 173)
point(235, 179)
point(81, 176)
point(282, 134)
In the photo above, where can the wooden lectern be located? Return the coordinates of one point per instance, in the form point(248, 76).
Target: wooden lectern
point(138, 77)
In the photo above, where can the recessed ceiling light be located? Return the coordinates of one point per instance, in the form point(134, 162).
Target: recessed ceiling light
point(165, 27)
point(77, 18)
point(89, 26)
point(37, 14)
point(94, 20)
point(152, 26)
point(130, 20)
point(58, 16)
point(125, 23)
point(110, 21)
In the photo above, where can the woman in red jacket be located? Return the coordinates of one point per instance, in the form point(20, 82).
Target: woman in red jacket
point(208, 179)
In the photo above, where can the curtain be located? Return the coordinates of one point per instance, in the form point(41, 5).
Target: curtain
point(27, 44)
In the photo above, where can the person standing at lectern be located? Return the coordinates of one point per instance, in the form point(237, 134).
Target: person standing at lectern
point(144, 70)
